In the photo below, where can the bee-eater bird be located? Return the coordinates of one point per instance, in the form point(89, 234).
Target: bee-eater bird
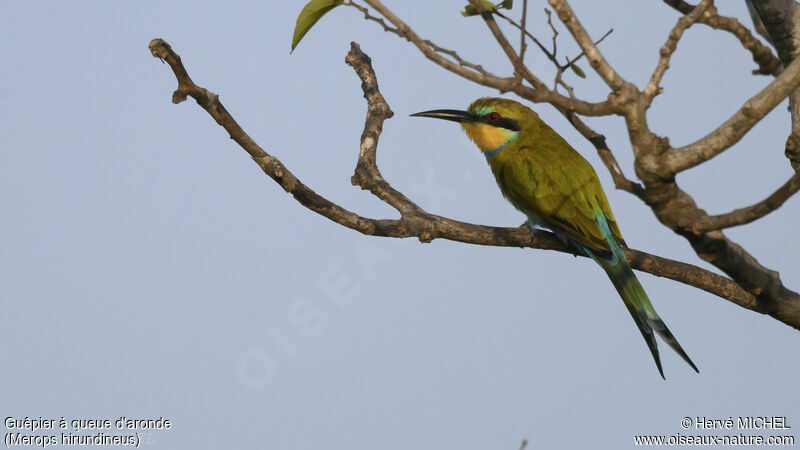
point(556, 188)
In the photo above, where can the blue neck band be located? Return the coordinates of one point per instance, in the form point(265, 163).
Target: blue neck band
point(491, 153)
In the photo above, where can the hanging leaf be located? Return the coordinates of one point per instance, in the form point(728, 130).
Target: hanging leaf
point(470, 10)
point(578, 71)
point(311, 13)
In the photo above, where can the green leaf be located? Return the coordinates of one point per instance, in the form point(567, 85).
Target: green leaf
point(507, 4)
point(311, 13)
point(469, 10)
point(577, 70)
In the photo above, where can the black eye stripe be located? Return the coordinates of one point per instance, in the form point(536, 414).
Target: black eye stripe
point(502, 122)
point(508, 124)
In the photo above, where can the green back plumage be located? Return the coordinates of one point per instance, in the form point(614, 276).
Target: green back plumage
point(545, 178)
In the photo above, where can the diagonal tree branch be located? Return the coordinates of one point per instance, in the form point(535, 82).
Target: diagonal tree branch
point(519, 67)
point(729, 133)
point(596, 59)
point(523, 46)
point(551, 55)
point(750, 213)
point(767, 63)
point(669, 47)
point(414, 221)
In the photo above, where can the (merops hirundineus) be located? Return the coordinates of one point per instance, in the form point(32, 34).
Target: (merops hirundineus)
point(557, 189)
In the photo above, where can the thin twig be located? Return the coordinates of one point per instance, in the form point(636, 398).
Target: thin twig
point(570, 62)
point(511, 21)
point(522, 45)
point(551, 55)
point(583, 53)
point(555, 33)
point(367, 16)
point(512, 55)
point(596, 59)
point(462, 62)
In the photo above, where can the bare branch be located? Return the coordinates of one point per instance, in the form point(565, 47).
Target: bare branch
point(452, 53)
point(415, 221)
point(378, 20)
point(519, 66)
point(738, 125)
point(751, 213)
point(462, 62)
point(550, 56)
point(367, 175)
point(596, 59)
point(269, 164)
point(767, 63)
point(509, 84)
point(669, 47)
point(555, 33)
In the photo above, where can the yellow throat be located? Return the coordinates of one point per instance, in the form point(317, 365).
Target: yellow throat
point(487, 137)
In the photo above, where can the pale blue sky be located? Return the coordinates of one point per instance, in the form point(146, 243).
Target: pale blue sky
point(148, 268)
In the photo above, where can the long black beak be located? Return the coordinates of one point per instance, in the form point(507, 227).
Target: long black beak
point(454, 115)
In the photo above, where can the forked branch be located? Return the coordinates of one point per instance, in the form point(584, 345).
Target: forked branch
point(414, 221)
point(669, 47)
point(768, 63)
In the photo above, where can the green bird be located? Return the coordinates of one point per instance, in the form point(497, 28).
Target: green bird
point(556, 188)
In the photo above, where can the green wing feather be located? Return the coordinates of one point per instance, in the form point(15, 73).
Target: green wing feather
point(562, 188)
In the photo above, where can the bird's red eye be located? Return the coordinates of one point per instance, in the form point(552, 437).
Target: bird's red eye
point(492, 116)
